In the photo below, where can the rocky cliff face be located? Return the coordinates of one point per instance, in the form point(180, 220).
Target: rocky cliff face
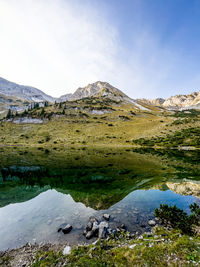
point(97, 89)
point(176, 102)
point(23, 92)
point(183, 101)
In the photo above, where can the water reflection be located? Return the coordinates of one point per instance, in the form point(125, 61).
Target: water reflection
point(38, 193)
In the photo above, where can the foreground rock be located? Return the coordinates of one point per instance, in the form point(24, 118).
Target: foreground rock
point(151, 223)
point(65, 228)
point(67, 250)
point(106, 216)
point(103, 228)
point(94, 228)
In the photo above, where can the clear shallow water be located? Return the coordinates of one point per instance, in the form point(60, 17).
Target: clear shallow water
point(34, 204)
point(38, 219)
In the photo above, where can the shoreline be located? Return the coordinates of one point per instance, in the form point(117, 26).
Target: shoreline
point(159, 248)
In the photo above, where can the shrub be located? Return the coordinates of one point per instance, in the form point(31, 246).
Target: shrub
point(177, 218)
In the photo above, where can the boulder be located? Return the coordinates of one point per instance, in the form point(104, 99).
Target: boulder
point(89, 226)
point(92, 219)
point(103, 227)
point(89, 234)
point(106, 216)
point(95, 228)
point(67, 229)
point(151, 223)
point(63, 225)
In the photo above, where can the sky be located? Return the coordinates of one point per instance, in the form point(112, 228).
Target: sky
point(146, 48)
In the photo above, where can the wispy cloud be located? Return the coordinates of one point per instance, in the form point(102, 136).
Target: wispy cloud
point(55, 45)
point(59, 45)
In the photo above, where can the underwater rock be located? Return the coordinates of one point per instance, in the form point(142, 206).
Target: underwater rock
point(61, 226)
point(67, 229)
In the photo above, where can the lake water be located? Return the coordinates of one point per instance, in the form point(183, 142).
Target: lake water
point(41, 189)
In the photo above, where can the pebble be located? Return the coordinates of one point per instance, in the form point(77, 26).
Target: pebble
point(151, 223)
point(132, 246)
point(67, 250)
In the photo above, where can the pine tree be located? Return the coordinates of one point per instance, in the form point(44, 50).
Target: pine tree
point(9, 114)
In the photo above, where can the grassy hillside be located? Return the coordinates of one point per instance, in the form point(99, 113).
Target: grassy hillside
point(103, 122)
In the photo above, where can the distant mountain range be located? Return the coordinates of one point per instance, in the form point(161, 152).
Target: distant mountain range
point(18, 97)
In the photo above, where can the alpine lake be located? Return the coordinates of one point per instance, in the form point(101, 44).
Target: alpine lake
point(42, 188)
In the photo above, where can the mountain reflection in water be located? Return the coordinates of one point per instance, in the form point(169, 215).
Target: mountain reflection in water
point(40, 189)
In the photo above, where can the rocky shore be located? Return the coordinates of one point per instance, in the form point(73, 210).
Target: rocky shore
point(111, 246)
point(98, 230)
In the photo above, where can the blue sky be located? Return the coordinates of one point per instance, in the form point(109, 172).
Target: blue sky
point(147, 48)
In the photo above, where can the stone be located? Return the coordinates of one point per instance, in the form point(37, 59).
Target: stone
point(63, 225)
point(67, 250)
point(149, 234)
point(109, 230)
point(95, 228)
point(89, 235)
point(84, 232)
point(67, 229)
point(89, 226)
point(122, 226)
point(151, 223)
point(92, 219)
point(106, 216)
point(103, 226)
point(132, 246)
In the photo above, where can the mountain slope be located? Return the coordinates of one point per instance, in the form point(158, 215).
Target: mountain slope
point(183, 101)
point(189, 101)
point(29, 93)
point(98, 89)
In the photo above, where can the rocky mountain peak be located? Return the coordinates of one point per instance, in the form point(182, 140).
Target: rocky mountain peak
point(28, 93)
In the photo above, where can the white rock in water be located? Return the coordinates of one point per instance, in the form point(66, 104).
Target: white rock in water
point(67, 250)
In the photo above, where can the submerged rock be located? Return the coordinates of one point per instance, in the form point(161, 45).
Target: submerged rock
point(62, 226)
point(67, 229)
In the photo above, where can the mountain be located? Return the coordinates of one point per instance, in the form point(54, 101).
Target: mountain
point(177, 102)
point(97, 89)
point(14, 96)
point(28, 93)
point(183, 101)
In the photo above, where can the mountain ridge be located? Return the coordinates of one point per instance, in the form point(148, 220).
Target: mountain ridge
point(97, 89)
